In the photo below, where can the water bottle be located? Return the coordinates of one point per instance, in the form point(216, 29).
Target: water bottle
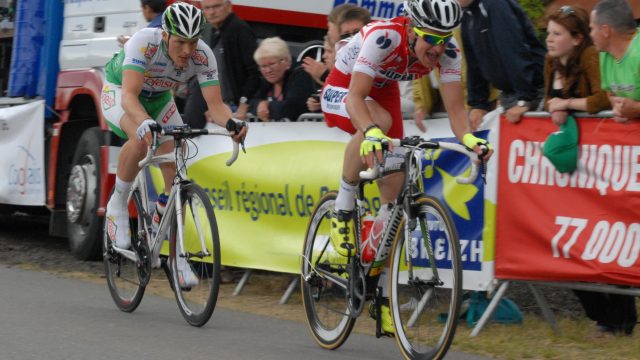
point(370, 243)
point(161, 204)
point(365, 252)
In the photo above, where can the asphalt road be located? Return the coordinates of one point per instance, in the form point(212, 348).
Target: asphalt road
point(43, 316)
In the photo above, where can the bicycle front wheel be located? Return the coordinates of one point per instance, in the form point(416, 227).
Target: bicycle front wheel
point(324, 280)
point(426, 283)
point(124, 275)
point(195, 262)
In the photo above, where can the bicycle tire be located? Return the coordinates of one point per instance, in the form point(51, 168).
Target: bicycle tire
point(325, 302)
point(425, 304)
point(197, 302)
point(123, 275)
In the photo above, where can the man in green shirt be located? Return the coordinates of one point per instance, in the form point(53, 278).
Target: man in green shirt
point(614, 33)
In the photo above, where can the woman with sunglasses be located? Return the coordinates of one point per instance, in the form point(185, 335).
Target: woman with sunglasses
point(361, 96)
point(571, 68)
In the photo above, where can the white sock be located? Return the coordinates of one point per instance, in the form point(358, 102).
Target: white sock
point(121, 192)
point(346, 195)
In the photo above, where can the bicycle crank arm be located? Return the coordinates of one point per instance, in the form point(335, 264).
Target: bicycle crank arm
point(129, 254)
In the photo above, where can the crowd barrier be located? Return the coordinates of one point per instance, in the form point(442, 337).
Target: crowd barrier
point(542, 227)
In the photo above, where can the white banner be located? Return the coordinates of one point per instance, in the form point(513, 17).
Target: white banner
point(22, 180)
point(377, 8)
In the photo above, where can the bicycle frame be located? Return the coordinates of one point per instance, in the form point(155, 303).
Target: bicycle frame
point(411, 166)
point(139, 191)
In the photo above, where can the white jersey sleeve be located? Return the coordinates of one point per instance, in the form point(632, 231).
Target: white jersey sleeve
point(137, 49)
point(206, 67)
point(377, 45)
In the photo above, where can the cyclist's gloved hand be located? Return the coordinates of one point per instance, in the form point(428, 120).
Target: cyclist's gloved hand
point(373, 144)
point(481, 146)
point(145, 128)
point(239, 130)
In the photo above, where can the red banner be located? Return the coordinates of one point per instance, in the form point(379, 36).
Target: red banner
point(583, 226)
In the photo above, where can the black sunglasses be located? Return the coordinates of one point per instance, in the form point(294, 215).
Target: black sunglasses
point(348, 34)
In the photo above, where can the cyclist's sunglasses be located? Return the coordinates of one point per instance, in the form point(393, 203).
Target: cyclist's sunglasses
point(433, 39)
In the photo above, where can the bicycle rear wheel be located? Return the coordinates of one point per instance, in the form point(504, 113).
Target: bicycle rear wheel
point(125, 277)
point(425, 300)
point(201, 252)
point(324, 280)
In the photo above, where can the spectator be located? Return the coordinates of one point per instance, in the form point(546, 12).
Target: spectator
point(233, 43)
point(571, 68)
point(425, 98)
point(333, 19)
point(342, 22)
point(320, 70)
point(351, 20)
point(283, 92)
point(501, 49)
point(329, 58)
point(614, 33)
point(152, 12)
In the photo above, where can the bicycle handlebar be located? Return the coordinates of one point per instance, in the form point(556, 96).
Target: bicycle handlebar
point(185, 133)
point(371, 174)
point(470, 154)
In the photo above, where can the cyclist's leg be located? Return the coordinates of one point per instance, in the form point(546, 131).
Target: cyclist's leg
point(131, 152)
point(167, 115)
point(388, 99)
point(389, 186)
point(341, 236)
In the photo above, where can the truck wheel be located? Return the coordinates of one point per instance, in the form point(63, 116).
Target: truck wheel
point(84, 227)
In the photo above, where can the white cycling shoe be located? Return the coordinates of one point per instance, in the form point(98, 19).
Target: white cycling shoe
point(118, 225)
point(186, 277)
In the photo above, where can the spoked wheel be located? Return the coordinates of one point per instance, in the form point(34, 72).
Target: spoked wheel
point(425, 300)
point(126, 277)
point(196, 268)
point(324, 281)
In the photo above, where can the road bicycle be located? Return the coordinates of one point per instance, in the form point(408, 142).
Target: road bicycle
point(425, 275)
point(188, 223)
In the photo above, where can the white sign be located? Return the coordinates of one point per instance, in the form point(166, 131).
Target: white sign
point(22, 180)
point(377, 8)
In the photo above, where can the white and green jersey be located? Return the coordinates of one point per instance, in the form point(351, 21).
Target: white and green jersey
point(145, 52)
point(622, 78)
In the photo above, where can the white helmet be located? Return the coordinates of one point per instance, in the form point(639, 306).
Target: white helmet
point(439, 15)
point(184, 20)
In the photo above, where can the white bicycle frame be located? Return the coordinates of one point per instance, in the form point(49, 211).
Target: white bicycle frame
point(173, 207)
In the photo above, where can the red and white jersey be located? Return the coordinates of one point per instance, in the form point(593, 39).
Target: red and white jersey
point(381, 51)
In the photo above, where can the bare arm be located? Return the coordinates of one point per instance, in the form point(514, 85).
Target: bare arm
point(453, 98)
point(558, 104)
point(219, 112)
